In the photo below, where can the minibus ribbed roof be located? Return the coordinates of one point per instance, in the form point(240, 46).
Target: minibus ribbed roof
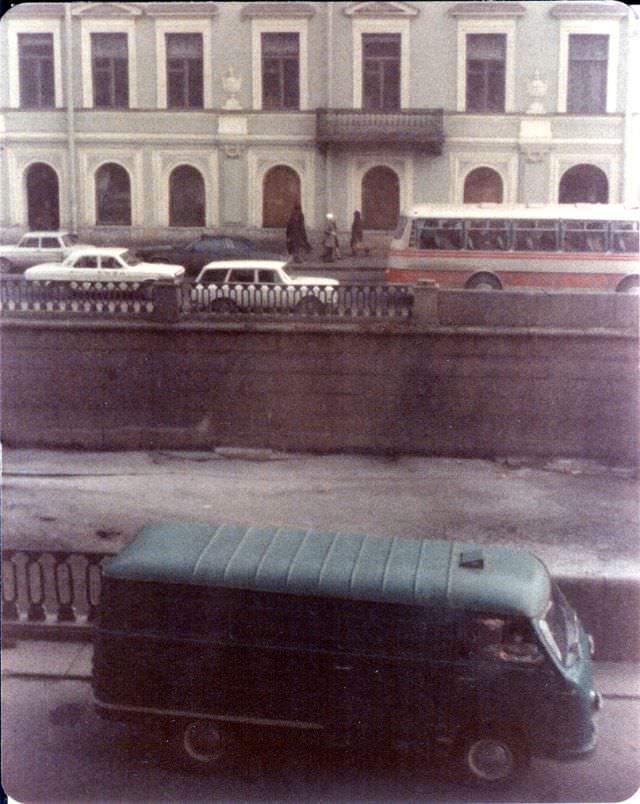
point(342, 565)
point(606, 212)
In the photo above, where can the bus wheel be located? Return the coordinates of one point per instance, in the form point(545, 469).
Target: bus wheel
point(202, 745)
point(630, 284)
point(483, 282)
point(491, 760)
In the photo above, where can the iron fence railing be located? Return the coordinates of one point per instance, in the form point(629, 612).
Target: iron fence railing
point(120, 299)
point(190, 300)
point(319, 301)
point(50, 587)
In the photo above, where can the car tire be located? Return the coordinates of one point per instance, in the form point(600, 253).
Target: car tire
point(201, 745)
point(223, 306)
point(309, 305)
point(490, 759)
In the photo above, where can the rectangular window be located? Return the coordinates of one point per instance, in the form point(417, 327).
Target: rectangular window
point(110, 60)
point(36, 70)
point(280, 71)
point(587, 85)
point(381, 71)
point(486, 72)
point(184, 71)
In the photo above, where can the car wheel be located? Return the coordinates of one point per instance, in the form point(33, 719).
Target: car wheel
point(223, 306)
point(630, 284)
point(491, 760)
point(483, 282)
point(309, 305)
point(202, 745)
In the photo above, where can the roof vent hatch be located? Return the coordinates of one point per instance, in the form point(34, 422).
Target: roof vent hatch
point(471, 559)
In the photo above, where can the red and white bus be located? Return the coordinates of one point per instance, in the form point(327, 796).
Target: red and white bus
point(590, 246)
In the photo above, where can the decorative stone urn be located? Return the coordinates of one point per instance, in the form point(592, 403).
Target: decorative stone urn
point(536, 89)
point(231, 83)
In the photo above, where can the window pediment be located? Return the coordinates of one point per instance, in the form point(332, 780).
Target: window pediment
point(380, 10)
point(181, 9)
point(277, 10)
point(488, 9)
point(102, 10)
point(577, 9)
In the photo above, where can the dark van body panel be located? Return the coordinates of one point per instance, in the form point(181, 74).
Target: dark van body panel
point(347, 638)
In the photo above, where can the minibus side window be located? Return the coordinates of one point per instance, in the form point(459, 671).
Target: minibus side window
point(502, 639)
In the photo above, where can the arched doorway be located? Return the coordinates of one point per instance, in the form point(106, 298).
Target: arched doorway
point(483, 186)
point(113, 196)
point(43, 203)
point(280, 191)
point(380, 198)
point(186, 197)
point(584, 184)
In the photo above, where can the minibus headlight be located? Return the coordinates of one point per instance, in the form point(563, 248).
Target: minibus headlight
point(596, 701)
point(592, 645)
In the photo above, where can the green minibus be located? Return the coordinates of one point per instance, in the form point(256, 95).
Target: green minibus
point(227, 635)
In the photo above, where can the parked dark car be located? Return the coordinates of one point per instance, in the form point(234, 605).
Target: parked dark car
point(196, 254)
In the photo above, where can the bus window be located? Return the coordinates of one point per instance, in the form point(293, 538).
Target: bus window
point(497, 639)
point(624, 237)
point(488, 235)
point(586, 236)
point(438, 234)
point(535, 236)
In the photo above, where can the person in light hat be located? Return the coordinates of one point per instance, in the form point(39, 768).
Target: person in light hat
point(330, 240)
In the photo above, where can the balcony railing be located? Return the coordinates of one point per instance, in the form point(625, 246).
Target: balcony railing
point(421, 129)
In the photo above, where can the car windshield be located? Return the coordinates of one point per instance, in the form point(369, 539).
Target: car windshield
point(130, 258)
point(559, 627)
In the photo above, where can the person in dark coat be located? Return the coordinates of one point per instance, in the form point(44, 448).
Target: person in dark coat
point(297, 234)
point(357, 233)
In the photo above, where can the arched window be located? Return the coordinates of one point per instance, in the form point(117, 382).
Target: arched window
point(280, 191)
point(186, 197)
point(43, 204)
point(380, 198)
point(584, 184)
point(113, 196)
point(483, 186)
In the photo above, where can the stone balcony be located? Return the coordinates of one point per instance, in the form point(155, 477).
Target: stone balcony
point(418, 129)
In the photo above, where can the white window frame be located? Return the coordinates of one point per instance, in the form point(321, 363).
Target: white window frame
point(608, 163)
point(15, 27)
point(260, 162)
point(88, 27)
point(202, 27)
point(370, 26)
point(610, 28)
point(260, 26)
point(505, 165)
point(359, 166)
point(477, 26)
point(128, 158)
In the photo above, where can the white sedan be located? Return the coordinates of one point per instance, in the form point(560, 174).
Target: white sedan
point(262, 285)
point(104, 265)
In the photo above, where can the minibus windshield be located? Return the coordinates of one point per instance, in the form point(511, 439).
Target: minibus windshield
point(560, 628)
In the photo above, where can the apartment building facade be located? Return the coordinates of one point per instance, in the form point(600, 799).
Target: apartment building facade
point(130, 121)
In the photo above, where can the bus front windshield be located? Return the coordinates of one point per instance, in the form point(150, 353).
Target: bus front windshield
point(559, 627)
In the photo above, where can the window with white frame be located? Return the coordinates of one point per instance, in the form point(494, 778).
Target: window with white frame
point(280, 74)
point(588, 62)
point(381, 64)
point(34, 74)
point(486, 65)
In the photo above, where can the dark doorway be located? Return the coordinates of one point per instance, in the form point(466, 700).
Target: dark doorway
point(584, 184)
point(186, 197)
point(280, 191)
point(43, 203)
point(380, 198)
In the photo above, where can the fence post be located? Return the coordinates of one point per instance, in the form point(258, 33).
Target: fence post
point(166, 301)
point(425, 305)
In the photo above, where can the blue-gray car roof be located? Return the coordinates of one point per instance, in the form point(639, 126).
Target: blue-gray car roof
point(343, 565)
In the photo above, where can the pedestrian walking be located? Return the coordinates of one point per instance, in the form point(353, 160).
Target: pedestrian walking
point(330, 240)
point(357, 235)
point(296, 234)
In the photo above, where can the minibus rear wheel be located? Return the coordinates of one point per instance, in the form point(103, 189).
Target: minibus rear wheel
point(491, 759)
point(202, 745)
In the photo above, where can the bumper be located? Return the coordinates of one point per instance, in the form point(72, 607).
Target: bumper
point(577, 752)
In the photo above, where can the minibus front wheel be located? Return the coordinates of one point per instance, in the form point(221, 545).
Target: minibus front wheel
point(202, 744)
point(492, 760)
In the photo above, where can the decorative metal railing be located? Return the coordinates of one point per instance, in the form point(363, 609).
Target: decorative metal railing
point(130, 300)
point(121, 299)
point(421, 129)
point(319, 301)
point(50, 587)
